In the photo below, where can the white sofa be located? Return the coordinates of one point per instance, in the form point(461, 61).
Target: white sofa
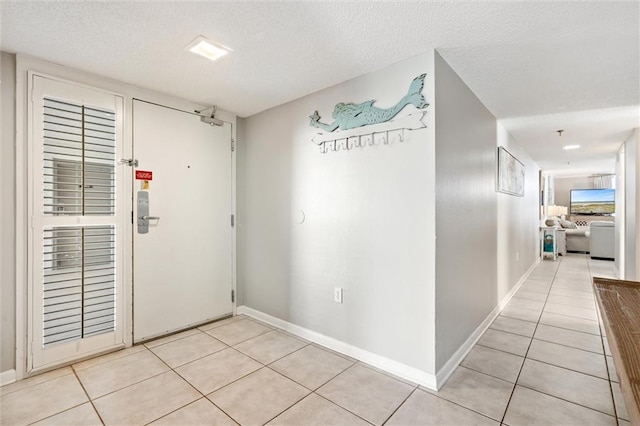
point(578, 239)
point(602, 239)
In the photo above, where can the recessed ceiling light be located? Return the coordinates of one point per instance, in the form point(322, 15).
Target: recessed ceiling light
point(201, 46)
point(568, 147)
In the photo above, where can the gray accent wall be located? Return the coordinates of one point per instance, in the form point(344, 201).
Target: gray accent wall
point(7, 212)
point(466, 212)
point(485, 241)
point(368, 228)
point(563, 187)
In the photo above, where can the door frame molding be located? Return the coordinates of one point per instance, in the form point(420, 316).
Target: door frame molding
point(25, 67)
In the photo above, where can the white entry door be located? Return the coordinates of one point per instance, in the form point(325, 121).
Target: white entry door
point(183, 263)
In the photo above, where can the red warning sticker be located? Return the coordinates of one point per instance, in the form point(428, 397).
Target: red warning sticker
point(144, 175)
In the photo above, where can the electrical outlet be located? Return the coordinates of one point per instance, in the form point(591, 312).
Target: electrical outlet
point(337, 294)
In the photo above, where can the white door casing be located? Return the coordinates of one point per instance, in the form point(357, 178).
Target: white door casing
point(78, 214)
point(183, 265)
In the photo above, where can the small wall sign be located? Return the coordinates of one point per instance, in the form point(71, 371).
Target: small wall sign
point(144, 175)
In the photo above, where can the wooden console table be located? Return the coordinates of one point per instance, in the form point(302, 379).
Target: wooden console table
point(619, 303)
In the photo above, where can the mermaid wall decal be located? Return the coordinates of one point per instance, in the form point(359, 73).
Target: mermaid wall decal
point(351, 116)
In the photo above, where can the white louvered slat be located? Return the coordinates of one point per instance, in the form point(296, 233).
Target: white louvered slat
point(78, 206)
point(79, 282)
point(79, 159)
point(79, 150)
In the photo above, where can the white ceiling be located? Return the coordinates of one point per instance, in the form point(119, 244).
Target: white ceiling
point(537, 66)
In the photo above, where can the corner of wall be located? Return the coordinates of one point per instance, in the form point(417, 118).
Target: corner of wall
point(240, 207)
point(496, 234)
point(7, 213)
point(465, 145)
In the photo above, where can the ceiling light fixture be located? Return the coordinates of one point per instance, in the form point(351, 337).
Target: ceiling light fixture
point(568, 147)
point(203, 47)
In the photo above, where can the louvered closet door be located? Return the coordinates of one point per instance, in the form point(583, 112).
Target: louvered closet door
point(76, 206)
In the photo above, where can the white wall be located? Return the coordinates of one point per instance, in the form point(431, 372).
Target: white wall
point(369, 224)
point(518, 221)
point(486, 240)
point(631, 215)
point(7, 211)
point(620, 219)
point(632, 212)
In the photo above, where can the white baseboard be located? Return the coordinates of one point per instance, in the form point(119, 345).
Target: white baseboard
point(393, 367)
point(7, 377)
point(449, 367)
point(396, 368)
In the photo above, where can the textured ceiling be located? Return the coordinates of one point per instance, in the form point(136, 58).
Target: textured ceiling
point(537, 66)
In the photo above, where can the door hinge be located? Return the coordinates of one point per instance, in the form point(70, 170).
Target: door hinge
point(233, 220)
point(132, 217)
point(129, 162)
point(233, 296)
point(233, 145)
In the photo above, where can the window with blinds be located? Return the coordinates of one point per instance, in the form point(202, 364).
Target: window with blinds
point(79, 159)
point(79, 276)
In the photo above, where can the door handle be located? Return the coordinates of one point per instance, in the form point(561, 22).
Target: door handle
point(143, 213)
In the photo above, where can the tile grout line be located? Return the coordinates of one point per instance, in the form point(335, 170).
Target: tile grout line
point(539, 391)
point(434, 393)
point(129, 385)
point(398, 407)
point(566, 400)
point(35, 384)
point(353, 364)
point(503, 331)
point(87, 394)
point(60, 412)
point(333, 402)
point(532, 359)
point(547, 341)
point(313, 391)
point(340, 406)
point(189, 383)
point(277, 359)
point(515, 384)
point(137, 345)
point(237, 343)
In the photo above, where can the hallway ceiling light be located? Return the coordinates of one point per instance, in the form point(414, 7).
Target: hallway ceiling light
point(201, 46)
point(568, 147)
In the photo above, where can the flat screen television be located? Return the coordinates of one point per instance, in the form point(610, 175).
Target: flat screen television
point(595, 202)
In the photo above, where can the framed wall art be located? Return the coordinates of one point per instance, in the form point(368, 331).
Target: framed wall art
point(510, 174)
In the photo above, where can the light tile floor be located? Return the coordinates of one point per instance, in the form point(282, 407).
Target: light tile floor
point(542, 361)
